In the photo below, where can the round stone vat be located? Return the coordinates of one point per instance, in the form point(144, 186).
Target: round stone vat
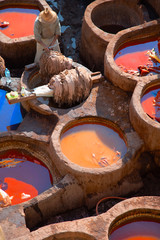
point(140, 34)
point(144, 113)
point(26, 169)
point(10, 115)
point(93, 143)
point(145, 227)
point(153, 8)
point(135, 223)
point(18, 46)
point(31, 79)
point(102, 20)
point(100, 173)
point(45, 105)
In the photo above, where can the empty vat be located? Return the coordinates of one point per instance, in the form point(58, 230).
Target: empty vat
point(102, 20)
point(153, 8)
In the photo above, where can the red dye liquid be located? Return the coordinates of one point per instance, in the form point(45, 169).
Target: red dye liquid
point(22, 177)
point(131, 61)
point(147, 102)
point(129, 58)
point(20, 190)
point(21, 21)
point(92, 145)
point(140, 230)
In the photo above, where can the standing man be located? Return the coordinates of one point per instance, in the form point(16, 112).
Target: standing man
point(47, 29)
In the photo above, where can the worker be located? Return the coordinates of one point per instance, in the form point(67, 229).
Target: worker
point(47, 29)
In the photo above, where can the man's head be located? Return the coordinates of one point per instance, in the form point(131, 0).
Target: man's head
point(47, 16)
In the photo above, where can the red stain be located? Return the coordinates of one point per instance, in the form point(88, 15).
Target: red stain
point(21, 24)
point(23, 176)
point(131, 61)
point(148, 106)
point(139, 58)
point(16, 189)
point(148, 103)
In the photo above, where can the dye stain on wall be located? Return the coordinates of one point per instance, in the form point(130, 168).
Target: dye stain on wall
point(16, 19)
point(10, 115)
point(22, 176)
point(93, 145)
point(139, 230)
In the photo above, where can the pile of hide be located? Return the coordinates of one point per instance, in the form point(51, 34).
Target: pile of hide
point(52, 63)
point(2, 67)
point(70, 85)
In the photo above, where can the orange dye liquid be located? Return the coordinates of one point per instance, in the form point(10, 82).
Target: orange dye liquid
point(140, 230)
point(147, 102)
point(92, 145)
point(21, 21)
point(22, 177)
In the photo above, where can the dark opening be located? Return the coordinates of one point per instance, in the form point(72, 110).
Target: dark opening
point(112, 28)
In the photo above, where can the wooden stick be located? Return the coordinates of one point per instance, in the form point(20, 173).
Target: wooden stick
point(20, 98)
point(97, 77)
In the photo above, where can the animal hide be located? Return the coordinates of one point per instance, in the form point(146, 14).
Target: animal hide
point(2, 67)
point(71, 86)
point(52, 63)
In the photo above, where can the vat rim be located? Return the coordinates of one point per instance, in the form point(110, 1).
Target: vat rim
point(134, 215)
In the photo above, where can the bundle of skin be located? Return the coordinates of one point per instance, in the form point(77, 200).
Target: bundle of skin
point(5, 200)
point(52, 63)
point(71, 86)
point(67, 88)
point(2, 67)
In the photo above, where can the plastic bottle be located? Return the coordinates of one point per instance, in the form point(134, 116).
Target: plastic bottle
point(24, 92)
point(8, 76)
